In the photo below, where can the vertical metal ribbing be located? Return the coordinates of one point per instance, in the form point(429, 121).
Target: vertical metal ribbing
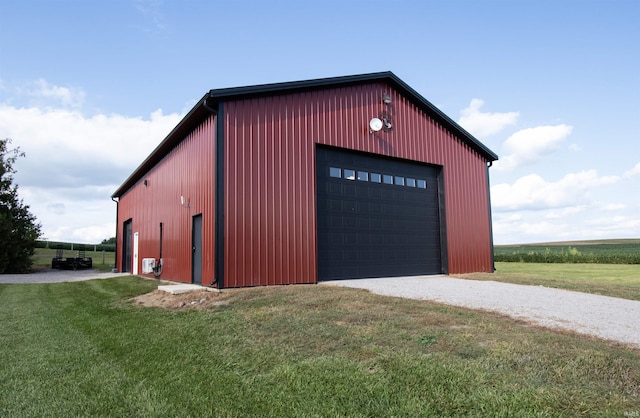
point(270, 180)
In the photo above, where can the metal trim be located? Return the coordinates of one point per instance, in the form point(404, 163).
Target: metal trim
point(219, 199)
point(444, 243)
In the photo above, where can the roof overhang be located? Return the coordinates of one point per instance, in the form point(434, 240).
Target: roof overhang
point(209, 102)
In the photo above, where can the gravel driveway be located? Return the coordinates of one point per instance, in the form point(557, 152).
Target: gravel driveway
point(57, 276)
point(601, 316)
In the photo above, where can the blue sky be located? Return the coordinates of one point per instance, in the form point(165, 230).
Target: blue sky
point(89, 88)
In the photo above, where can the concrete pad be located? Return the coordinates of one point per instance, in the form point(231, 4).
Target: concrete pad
point(176, 289)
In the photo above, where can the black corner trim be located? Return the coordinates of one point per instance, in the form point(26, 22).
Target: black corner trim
point(444, 252)
point(493, 255)
point(219, 199)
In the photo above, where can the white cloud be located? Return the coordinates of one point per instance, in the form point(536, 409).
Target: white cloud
point(65, 148)
point(564, 212)
point(615, 226)
point(534, 192)
point(509, 231)
point(528, 146)
point(532, 228)
point(614, 206)
point(154, 19)
point(633, 172)
point(483, 124)
point(41, 94)
point(74, 162)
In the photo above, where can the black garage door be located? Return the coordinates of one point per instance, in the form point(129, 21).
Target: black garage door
point(377, 217)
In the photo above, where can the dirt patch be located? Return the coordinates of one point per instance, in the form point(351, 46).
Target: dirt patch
point(185, 301)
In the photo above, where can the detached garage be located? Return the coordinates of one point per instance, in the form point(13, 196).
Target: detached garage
point(298, 182)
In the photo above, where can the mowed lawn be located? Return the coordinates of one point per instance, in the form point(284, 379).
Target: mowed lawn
point(84, 349)
point(617, 280)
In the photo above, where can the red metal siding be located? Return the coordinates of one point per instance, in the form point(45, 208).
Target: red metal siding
point(189, 171)
point(269, 197)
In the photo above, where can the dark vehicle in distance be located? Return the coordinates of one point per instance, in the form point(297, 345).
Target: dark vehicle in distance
point(71, 263)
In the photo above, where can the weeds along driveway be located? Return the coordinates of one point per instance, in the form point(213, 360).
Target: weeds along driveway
point(57, 276)
point(601, 316)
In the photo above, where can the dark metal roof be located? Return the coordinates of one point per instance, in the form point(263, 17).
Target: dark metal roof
point(202, 109)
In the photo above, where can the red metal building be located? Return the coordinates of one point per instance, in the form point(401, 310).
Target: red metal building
point(297, 182)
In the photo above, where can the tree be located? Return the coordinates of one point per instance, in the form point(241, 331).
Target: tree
point(110, 241)
point(18, 227)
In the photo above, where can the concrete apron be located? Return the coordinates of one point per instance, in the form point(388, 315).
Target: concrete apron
point(177, 289)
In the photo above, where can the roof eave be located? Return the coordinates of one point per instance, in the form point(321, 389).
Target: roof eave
point(191, 119)
point(200, 111)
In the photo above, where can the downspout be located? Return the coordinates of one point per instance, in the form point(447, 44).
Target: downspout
point(115, 260)
point(213, 111)
point(493, 261)
point(157, 270)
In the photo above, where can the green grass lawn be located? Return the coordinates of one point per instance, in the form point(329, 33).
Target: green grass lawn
point(618, 280)
point(82, 349)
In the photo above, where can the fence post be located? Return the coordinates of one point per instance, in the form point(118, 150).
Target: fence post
point(103, 257)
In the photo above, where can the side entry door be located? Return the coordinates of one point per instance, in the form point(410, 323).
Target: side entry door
point(127, 254)
point(196, 255)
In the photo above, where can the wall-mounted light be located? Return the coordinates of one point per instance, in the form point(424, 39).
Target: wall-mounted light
point(375, 125)
point(383, 121)
point(146, 183)
point(387, 123)
point(185, 202)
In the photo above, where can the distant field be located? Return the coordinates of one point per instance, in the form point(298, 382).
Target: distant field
point(618, 251)
point(101, 261)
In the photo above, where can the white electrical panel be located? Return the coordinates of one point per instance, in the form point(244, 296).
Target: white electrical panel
point(148, 264)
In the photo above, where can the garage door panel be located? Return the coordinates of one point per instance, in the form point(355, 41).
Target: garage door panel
point(379, 218)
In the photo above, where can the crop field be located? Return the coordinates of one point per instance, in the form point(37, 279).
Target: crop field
point(601, 252)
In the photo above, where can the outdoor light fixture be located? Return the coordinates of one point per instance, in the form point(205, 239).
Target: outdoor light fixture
point(383, 121)
point(375, 125)
point(387, 123)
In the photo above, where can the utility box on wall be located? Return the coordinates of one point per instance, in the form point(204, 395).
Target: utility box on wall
point(148, 264)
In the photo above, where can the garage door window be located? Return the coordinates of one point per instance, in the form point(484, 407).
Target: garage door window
point(349, 174)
